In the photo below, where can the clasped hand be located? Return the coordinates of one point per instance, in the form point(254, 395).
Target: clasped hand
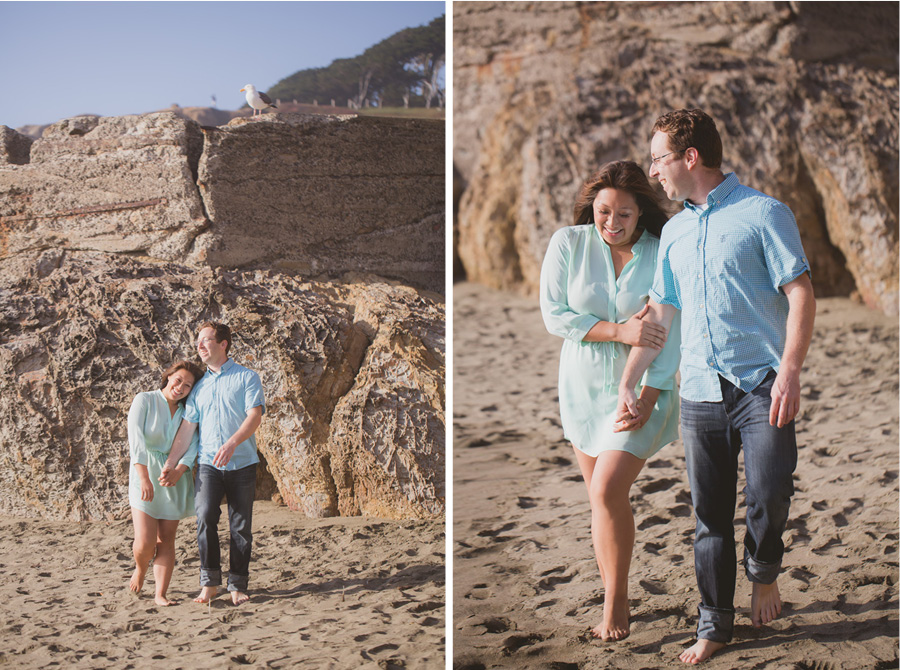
point(169, 476)
point(631, 412)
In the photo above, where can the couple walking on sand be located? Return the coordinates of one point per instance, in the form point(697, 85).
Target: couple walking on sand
point(209, 416)
point(720, 291)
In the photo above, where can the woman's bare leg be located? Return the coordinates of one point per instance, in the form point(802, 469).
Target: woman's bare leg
point(144, 547)
point(164, 564)
point(586, 463)
point(612, 528)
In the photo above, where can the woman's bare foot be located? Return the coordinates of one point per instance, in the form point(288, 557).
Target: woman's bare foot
point(615, 622)
point(207, 593)
point(239, 597)
point(700, 651)
point(137, 580)
point(162, 601)
point(765, 603)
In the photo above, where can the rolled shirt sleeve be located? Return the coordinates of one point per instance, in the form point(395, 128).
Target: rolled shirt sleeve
point(661, 373)
point(253, 393)
point(782, 247)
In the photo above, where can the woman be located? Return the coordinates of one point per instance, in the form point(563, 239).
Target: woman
point(595, 281)
point(153, 420)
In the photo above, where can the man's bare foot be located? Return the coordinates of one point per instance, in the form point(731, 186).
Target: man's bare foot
point(239, 597)
point(700, 651)
point(137, 580)
point(765, 603)
point(207, 593)
point(615, 623)
point(162, 601)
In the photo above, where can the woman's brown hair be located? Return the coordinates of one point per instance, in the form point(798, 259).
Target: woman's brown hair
point(622, 176)
point(187, 366)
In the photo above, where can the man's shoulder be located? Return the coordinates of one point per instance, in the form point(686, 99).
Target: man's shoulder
point(680, 224)
point(244, 374)
point(750, 196)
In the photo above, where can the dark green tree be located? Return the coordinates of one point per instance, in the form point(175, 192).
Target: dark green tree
point(404, 68)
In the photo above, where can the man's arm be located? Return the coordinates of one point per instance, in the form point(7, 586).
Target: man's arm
point(246, 429)
point(180, 445)
point(639, 360)
point(801, 317)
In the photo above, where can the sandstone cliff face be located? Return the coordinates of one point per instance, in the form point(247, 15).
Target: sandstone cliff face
point(804, 94)
point(118, 236)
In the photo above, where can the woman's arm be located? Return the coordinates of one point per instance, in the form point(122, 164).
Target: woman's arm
point(146, 484)
point(137, 442)
point(560, 319)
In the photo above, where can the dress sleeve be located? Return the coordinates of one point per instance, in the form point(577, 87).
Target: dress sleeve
point(661, 373)
point(137, 416)
point(559, 318)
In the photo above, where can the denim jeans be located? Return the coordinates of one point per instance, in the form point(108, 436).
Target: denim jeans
point(713, 434)
point(239, 489)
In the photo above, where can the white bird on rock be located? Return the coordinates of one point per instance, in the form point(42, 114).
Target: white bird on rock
point(257, 100)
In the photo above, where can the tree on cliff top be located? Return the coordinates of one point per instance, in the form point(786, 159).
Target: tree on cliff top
point(402, 68)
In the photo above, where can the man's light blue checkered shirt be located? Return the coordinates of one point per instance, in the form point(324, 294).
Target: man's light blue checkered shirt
point(219, 404)
point(723, 266)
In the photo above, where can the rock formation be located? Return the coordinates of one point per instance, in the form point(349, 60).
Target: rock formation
point(119, 235)
point(804, 94)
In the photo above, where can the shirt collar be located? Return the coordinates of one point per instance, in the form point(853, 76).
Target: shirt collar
point(226, 366)
point(719, 193)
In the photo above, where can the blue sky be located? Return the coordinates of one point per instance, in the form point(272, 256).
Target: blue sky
point(62, 59)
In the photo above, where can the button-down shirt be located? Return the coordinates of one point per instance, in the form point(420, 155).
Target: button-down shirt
point(219, 404)
point(723, 265)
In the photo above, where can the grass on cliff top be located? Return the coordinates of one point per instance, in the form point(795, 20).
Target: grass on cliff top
point(408, 113)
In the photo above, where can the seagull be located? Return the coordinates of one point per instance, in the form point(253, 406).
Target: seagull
point(258, 101)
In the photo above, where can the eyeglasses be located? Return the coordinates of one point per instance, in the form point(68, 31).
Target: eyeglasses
point(206, 340)
point(655, 161)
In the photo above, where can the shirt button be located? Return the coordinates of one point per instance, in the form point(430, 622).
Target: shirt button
point(705, 336)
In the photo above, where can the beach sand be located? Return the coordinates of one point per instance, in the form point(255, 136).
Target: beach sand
point(526, 586)
point(325, 593)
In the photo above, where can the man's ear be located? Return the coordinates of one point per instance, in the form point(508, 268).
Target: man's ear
point(693, 157)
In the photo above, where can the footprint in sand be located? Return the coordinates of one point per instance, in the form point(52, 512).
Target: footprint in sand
point(651, 521)
point(655, 485)
point(513, 643)
point(654, 587)
point(496, 532)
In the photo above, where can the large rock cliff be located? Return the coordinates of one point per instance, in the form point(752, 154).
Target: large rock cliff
point(319, 240)
point(805, 96)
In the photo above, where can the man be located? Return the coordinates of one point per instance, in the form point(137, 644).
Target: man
point(732, 262)
point(227, 404)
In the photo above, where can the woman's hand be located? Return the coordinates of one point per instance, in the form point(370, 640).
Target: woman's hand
point(639, 333)
point(146, 489)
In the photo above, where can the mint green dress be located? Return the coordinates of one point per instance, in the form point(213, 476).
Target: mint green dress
point(151, 431)
point(578, 289)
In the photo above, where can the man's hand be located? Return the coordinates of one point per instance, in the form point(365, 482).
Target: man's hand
point(785, 399)
point(628, 405)
point(639, 333)
point(223, 456)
